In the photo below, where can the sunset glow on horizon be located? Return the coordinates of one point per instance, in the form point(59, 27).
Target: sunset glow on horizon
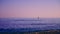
point(30, 8)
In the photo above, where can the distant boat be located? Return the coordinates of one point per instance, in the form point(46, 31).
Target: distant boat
point(38, 19)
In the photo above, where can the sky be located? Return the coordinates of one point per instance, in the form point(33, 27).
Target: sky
point(30, 8)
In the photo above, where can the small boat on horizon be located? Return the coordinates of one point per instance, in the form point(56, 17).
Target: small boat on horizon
point(33, 19)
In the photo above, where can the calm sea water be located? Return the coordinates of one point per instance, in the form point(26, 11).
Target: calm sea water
point(29, 24)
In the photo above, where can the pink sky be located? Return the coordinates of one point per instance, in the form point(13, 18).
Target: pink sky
point(30, 9)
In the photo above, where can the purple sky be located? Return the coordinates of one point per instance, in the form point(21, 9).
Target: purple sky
point(29, 8)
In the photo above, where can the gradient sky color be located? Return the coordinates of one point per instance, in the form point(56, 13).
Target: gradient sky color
point(30, 8)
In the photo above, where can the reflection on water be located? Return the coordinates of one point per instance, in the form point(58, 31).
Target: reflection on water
point(30, 24)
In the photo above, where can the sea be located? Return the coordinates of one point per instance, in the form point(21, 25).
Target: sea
point(28, 24)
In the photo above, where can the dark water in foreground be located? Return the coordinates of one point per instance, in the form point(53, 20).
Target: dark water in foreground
point(28, 25)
